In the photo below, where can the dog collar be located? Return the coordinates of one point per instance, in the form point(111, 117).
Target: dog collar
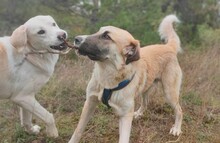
point(107, 93)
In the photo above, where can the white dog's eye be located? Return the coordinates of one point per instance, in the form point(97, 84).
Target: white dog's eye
point(54, 24)
point(41, 32)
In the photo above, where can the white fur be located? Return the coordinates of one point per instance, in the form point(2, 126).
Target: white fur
point(22, 75)
point(35, 129)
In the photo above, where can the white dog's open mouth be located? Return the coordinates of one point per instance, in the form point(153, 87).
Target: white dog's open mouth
point(60, 47)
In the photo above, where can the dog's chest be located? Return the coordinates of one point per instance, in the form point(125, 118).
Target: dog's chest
point(32, 75)
point(23, 79)
point(122, 101)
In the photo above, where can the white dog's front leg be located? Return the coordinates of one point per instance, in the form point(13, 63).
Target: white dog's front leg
point(30, 104)
point(87, 112)
point(26, 121)
point(125, 123)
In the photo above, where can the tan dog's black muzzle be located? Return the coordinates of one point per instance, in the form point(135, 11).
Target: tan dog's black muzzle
point(90, 46)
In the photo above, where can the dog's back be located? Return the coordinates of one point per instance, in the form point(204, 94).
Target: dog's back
point(161, 64)
point(4, 67)
point(3, 56)
point(156, 57)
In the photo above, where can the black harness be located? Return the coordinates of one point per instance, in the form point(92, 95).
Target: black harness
point(107, 93)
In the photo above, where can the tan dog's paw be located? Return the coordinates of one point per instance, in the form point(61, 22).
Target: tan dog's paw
point(175, 131)
point(138, 114)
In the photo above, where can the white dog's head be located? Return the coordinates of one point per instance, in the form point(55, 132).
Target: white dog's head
point(40, 33)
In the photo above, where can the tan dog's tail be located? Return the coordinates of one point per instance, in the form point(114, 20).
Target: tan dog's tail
point(168, 33)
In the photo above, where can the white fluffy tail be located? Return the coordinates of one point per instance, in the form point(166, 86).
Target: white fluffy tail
point(168, 33)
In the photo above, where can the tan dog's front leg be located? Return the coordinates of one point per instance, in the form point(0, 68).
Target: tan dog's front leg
point(87, 112)
point(125, 123)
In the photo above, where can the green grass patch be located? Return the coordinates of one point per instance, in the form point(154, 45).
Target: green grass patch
point(192, 98)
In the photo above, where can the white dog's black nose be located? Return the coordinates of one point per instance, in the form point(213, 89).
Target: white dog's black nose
point(78, 40)
point(62, 36)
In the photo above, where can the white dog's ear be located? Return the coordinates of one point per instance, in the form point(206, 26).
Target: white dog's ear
point(19, 37)
point(132, 52)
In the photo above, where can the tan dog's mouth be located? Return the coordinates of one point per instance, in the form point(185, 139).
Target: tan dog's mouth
point(93, 57)
point(91, 54)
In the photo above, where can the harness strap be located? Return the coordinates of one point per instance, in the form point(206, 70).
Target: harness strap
point(107, 93)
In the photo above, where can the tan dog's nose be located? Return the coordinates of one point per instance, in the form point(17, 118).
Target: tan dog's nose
point(78, 40)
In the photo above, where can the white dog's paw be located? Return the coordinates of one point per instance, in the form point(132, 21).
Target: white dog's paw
point(175, 131)
point(52, 131)
point(35, 129)
point(138, 114)
point(32, 129)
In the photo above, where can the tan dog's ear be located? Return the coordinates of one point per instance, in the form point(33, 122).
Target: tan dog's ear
point(132, 52)
point(19, 37)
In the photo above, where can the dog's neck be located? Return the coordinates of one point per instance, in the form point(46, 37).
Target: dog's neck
point(44, 62)
point(110, 75)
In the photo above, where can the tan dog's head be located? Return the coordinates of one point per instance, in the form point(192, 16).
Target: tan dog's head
point(39, 33)
point(109, 43)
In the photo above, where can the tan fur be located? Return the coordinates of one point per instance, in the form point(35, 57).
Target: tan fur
point(3, 61)
point(19, 37)
point(156, 63)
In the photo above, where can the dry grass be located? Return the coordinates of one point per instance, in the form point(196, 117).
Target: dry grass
point(64, 95)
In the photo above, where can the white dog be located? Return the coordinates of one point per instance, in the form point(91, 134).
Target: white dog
point(27, 62)
point(123, 71)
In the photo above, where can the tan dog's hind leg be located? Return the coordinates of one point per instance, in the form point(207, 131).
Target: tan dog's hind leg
point(87, 112)
point(142, 108)
point(171, 81)
point(125, 123)
point(26, 122)
point(144, 101)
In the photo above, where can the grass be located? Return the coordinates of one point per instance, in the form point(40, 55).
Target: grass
point(64, 96)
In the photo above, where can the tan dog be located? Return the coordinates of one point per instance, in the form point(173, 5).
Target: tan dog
point(119, 60)
point(24, 70)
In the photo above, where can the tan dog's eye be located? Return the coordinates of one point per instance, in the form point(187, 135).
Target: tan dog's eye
point(54, 24)
point(106, 36)
point(41, 32)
